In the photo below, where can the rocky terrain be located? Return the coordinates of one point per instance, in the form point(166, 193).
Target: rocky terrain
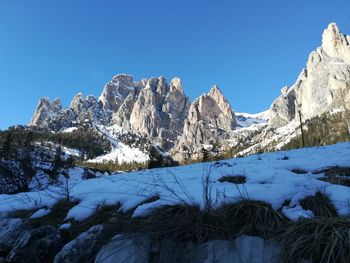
point(162, 113)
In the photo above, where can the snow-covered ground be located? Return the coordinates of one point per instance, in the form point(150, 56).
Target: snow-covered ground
point(268, 178)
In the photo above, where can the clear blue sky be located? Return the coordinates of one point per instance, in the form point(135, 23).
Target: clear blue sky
point(249, 48)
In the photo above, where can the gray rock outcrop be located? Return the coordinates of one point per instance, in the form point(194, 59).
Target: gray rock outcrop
point(150, 108)
point(10, 230)
point(243, 249)
point(324, 84)
point(45, 241)
point(132, 248)
point(139, 248)
point(210, 121)
point(45, 110)
point(82, 248)
point(159, 111)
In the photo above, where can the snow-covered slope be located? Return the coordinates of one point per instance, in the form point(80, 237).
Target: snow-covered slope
point(120, 153)
point(269, 178)
point(245, 120)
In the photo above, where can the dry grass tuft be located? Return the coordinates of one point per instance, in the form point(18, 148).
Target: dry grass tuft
point(320, 205)
point(336, 175)
point(321, 240)
point(256, 218)
point(234, 179)
point(190, 223)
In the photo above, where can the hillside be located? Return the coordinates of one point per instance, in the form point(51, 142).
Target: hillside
point(283, 181)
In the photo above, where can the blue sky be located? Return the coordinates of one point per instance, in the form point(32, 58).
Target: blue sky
point(249, 48)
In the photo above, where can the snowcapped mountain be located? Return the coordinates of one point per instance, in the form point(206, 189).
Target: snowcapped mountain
point(162, 114)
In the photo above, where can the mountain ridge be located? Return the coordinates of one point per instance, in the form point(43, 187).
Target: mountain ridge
point(161, 111)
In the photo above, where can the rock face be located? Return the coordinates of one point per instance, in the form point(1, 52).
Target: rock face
point(151, 108)
point(116, 91)
point(44, 111)
point(137, 248)
point(159, 111)
point(81, 249)
point(210, 121)
point(10, 230)
point(131, 248)
point(45, 241)
point(322, 86)
point(243, 249)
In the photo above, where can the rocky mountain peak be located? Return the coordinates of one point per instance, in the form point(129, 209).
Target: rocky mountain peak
point(319, 87)
point(336, 44)
point(44, 110)
point(115, 92)
point(77, 102)
point(215, 91)
point(331, 36)
point(159, 111)
point(210, 121)
point(126, 79)
point(176, 84)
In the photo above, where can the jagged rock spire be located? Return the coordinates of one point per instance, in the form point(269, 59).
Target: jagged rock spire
point(210, 121)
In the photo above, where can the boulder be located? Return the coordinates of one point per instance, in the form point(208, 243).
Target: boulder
point(132, 248)
point(10, 230)
point(250, 249)
point(37, 245)
point(82, 248)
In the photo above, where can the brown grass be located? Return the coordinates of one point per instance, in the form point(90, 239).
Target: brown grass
point(320, 205)
point(190, 223)
point(234, 179)
point(321, 240)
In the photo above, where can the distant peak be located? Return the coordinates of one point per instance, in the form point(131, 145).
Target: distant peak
point(331, 33)
point(176, 82)
point(333, 39)
point(124, 78)
point(214, 91)
point(44, 99)
point(78, 95)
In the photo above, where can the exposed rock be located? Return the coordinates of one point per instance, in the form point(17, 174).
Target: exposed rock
point(38, 245)
point(116, 91)
point(243, 249)
point(138, 248)
point(132, 248)
point(282, 110)
point(87, 110)
point(159, 111)
point(44, 111)
point(210, 121)
point(322, 86)
point(122, 116)
point(82, 248)
point(10, 230)
point(335, 44)
point(150, 108)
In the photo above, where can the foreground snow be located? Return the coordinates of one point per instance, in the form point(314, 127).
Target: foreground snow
point(269, 179)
